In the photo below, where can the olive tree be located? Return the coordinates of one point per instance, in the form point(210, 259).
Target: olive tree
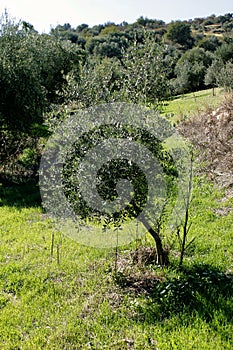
point(220, 75)
point(32, 69)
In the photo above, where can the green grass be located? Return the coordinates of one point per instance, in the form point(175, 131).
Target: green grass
point(56, 294)
point(187, 104)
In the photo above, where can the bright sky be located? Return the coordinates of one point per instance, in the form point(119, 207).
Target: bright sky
point(46, 13)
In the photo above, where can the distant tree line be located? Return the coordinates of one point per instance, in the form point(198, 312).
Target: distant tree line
point(193, 48)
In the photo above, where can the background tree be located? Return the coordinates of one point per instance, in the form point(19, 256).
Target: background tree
point(139, 76)
point(98, 82)
point(190, 70)
point(220, 75)
point(225, 51)
point(180, 33)
point(212, 77)
point(182, 83)
point(32, 69)
point(210, 43)
point(145, 73)
point(226, 78)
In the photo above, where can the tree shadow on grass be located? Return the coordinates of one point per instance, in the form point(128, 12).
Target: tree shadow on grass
point(24, 195)
point(201, 290)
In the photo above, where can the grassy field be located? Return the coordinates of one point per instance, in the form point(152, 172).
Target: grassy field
point(57, 294)
point(184, 105)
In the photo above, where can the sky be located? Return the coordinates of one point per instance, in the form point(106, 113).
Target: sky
point(44, 14)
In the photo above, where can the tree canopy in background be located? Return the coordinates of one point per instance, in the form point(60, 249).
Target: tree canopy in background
point(180, 33)
point(32, 72)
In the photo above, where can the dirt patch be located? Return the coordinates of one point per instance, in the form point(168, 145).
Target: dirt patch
point(132, 272)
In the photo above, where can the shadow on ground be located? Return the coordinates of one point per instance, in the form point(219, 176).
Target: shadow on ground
point(23, 195)
point(201, 290)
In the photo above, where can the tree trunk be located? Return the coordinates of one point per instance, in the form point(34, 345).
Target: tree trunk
point(162, 255)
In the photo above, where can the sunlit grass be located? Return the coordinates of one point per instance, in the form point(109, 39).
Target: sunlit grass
point(57, 294)
point(184, 105)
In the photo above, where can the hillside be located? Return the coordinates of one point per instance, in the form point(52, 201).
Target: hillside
point(211, 25)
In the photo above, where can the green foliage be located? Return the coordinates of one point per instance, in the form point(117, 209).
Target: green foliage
point(108, 176)
point(22, 96)
point(209, 43)
point(140, 76)
point(226, 79)
point(65, 32)
point(191, 69)
point(145, 74)
point(32, 70)
point(98, 82)
point(110, 46)
point(220, 75)
point(213, 74)
point(180, 33)
point(150, 23)
point(225, 52)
